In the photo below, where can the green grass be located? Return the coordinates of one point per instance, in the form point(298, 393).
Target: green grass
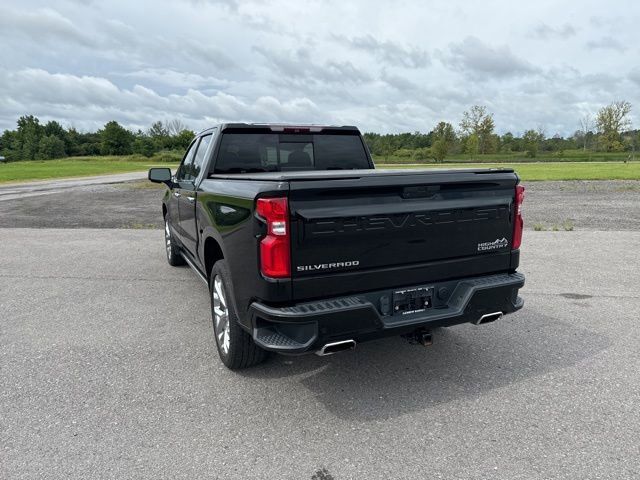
point(519, 157)
point(552, 170)
point(76, 167)
point(87, 166)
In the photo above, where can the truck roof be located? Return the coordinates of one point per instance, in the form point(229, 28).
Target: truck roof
point(278, 127)
point(282, 127)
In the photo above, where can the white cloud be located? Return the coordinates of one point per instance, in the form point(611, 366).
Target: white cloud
point(391, 53)
point(606, 43)
point(398, 82)
point(474, 56)
point(43, 24)
point(379, 65)
point(46, 93)
point(547, 32)
point(172, 78)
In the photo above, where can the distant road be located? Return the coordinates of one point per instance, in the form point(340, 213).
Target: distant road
point(11, 191)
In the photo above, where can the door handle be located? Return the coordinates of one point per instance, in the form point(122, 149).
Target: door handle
point(176, 194)
point(191, 199)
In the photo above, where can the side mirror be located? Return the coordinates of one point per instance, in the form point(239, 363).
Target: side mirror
point(161, 175)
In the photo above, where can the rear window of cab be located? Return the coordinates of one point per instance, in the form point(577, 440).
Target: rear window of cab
point(274, 152)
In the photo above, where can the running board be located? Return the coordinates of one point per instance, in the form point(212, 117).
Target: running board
point(193, 267)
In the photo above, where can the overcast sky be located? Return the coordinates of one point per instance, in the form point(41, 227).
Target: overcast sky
point(383, 66)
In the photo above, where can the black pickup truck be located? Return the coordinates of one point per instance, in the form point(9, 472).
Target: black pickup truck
point(305, 247)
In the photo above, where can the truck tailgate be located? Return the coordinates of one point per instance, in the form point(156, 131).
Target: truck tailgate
point(365, 232)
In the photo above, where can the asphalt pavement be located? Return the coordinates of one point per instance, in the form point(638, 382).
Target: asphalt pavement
point(572, 205)
point(108, 370)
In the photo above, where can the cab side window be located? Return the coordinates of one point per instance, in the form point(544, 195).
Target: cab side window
point(184, 169)
point(198, 160)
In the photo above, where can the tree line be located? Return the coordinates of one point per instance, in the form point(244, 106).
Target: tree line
point(608, 131)
point(32, 140)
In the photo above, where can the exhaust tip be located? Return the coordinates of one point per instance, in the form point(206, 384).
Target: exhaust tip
point(488, 318)
point(335, 347)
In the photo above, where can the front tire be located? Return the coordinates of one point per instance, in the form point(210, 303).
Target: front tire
point(235, 346)
point(173, 253)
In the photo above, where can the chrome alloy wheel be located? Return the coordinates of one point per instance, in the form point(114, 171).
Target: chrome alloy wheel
point(221, 315)
point(167, 238)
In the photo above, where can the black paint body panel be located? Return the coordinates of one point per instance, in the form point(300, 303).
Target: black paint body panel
point(382, 229)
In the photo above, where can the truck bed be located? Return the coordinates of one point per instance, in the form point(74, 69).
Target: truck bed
point(353, 174)
point(359, 230)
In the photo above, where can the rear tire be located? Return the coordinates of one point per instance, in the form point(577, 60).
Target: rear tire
point(236, 348)
point(173, 252)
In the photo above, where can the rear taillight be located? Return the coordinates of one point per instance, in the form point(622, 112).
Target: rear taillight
point(518, 223)
point(274, 247)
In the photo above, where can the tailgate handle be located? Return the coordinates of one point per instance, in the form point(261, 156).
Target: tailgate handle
point(420, 191)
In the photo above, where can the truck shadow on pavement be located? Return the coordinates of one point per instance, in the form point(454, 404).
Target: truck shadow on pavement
point(390, 377)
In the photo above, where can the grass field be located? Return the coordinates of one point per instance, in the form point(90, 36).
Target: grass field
point(87, 166)
point(75, 167)
point(519, 157)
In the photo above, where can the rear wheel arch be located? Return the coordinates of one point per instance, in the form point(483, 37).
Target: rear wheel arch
point(212, 253)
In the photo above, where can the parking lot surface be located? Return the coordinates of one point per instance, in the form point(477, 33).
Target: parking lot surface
point(36, 188)
point(109, 370)
point(576, 205)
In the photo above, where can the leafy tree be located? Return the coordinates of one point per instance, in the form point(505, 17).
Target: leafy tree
point(486, 137)
point(387, 150)
point(160, 135)
point(531, 140)
point(472, 118)
point(476, 121)
point(90, 143)
point(144, 145)
point(471, 144)
point(158, 129)
point(50, 146)
point(182, 140)
point(54, 128)
point(611, 121)
point(33, 140)
point(507, 143)
point(440, 150)
point(403, 153)
point(445, 137)
point(115, 139)
point(386, 144)
point(491, 143)
point(555, 143)
point(72, 142)
point(420, 140)
point(422, 154)
point(28, 137)
point(9, 148)
point(28, 140)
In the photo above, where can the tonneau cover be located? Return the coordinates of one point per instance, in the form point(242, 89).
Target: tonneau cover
point(311, 175)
